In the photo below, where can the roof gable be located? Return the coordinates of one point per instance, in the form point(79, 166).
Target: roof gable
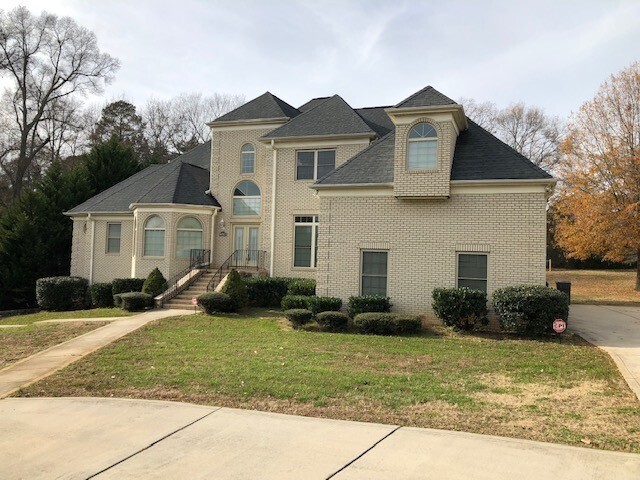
point(427, 97)
point(265, 106)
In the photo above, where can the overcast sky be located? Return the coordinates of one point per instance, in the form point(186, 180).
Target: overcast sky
point(552, 54)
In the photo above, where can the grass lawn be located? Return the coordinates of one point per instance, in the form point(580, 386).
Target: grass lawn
point(19, 343)
point(568, 392)
point(615, 287)
point(92, 313)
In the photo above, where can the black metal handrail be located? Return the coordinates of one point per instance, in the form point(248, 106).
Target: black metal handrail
point(198, 259)
point(244, 259)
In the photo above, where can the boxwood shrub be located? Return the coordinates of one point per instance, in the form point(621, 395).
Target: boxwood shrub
point(216, 302)
point(332, 321)
point(236, 288)
point(381, 323)
point(460, 308)
point(155, 283)
point(101, 295)
point(324, 304)
point(117, 300)
point(62, 293)
point(266, 291)
point(296, 302)
point(530, 309)
point(124, 285)
point(298, 316)
point(368, 303)
point(302, 286)
point(136, 301)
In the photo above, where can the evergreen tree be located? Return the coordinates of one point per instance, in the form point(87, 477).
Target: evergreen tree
point(110, 162)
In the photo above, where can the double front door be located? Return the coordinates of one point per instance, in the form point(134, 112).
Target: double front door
point(246, 244)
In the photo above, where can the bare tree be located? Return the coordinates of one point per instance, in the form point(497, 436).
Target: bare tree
point(44, 59)
point(484, 114)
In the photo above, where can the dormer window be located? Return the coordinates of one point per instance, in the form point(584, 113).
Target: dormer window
point(422, 147)
point(314, 164)
point(248, 159)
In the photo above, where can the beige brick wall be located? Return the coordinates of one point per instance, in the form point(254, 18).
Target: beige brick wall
point(422, 238)
point(107, 266)
point(80, 244)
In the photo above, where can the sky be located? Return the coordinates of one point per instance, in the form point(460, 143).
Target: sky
point(551, 54)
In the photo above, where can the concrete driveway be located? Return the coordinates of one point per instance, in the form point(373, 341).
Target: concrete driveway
point(81, 438)
point(617, 331)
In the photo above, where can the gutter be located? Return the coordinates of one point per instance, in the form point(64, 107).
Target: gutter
point(321, 186)
point(298, 138)
point(272, 233)
point(509, 181)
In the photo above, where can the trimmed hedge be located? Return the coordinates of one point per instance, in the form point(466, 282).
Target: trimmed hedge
point(236, 288)
point(124, 285)
point(266, 291)
point(214, 302)
point(302, 286)
point(380, 323)
point(136, 301)
point(324, 304)
point(461, 308)
point(332, 321)
point(290, 302)
point(101, 295)
point(298, 316)
point(61, 293)
point(155, 283)
point(530, 309)
point(368, 303)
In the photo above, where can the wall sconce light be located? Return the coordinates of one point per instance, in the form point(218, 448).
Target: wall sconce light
point(222, 224)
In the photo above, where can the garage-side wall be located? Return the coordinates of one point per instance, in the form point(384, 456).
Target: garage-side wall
point(80, 247)
point(107, 266)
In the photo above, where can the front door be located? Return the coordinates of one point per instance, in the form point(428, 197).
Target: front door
point(246, 245)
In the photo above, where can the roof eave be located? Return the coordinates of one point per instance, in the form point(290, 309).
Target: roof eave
point(326, 186)
point(455, 108)
point(77, 214)
point(338, 136)
point(510, 181)
point(171, 205)
point(253, 121)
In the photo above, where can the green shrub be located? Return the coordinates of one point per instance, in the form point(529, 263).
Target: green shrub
point(368, 303)
point(136, 301)
point(266, 291)
point(124, 285)
point(155, 283)
point(530, 309)
point(302, 286)
point(298, 316)
point(117, 300)
point(332, 321)
point(461, 308)
point(295, 302)
point(214, 302)
point(61, 293)
point(324, 304)
point(236, 289)
point(382, 323)
point(101, 295)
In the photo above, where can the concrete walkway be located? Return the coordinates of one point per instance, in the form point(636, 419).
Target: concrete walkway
point(617, 331)
point(43, 364)
point(75, 438)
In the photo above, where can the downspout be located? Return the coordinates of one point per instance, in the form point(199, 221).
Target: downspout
point(272, 247)
point(93, 239)
point(213, 228)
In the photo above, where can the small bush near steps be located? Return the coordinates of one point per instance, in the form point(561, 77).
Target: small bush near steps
point(155, 283)
point(136, 301)
point(332, 321)
point(216, 302)
point(298, 316)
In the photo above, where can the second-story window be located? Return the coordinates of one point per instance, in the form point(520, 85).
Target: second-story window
point(248, 159)
point(314, 164)
point(422, 147)
point(246, 199)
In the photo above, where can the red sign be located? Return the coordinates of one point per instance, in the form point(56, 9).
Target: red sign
point(194, 301)
point(559, 325)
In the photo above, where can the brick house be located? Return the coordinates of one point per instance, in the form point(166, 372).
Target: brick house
point(390, 200)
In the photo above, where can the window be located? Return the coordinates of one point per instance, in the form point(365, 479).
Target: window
point(305, 242)
point(154, 237)
point(472, 271)
point(314, 164)
point(248, 158)
point(246, 199)
point(374, 273)
point(189, 237)
point(422, 148)
point(113, 237)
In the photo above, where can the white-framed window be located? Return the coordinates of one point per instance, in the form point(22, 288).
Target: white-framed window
point(154, 237)
point(305, 241)
point(114, 231)
point(422, 147)
point(314, 164)
point(246, 199)
point(472, 271)
point(248, 154)
point(189, 236)
point(373, 272)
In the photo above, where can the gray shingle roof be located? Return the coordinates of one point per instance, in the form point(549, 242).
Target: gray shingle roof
point(182, 181)
point(427, 97)
point(266, 105)
point(311, 103)
point(377, 119)
point(332, 116)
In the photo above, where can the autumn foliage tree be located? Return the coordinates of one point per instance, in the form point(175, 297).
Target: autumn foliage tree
point(599, 204)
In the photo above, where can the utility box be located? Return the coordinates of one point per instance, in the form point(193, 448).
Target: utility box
point(565, 287)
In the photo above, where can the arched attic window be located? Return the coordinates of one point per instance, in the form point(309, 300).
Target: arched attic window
point(422, 147)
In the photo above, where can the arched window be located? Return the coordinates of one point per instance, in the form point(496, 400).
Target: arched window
point(246, 199)
point(248, 158)
point(154, 237)
point(189, 237)
point(422, 147)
